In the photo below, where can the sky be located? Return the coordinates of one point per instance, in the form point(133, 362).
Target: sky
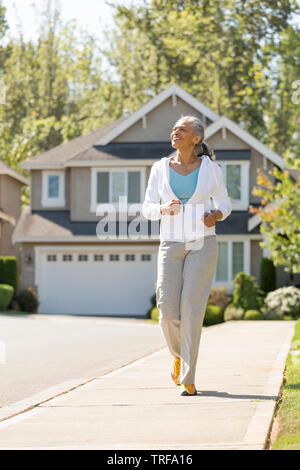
point(91, 14)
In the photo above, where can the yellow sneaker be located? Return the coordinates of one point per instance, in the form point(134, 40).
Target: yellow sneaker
point(176, 371)
point(188, 389)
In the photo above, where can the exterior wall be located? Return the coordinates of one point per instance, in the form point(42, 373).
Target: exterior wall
point(36, 191)
point(159, 123)
point(10, 204)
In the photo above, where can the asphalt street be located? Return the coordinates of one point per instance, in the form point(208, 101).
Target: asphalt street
point(42, 351)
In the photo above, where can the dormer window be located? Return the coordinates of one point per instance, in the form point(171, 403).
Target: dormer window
point(53, 190)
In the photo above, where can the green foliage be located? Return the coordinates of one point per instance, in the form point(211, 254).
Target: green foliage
point(27, 300)
point(6, 295)
point(213, 315)
point(253, 315)
point(9, 271)
point(233, 313)
point(246, 292)
point(267, 275)
point(154, 313)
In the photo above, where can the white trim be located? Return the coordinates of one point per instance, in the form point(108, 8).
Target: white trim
point(95, 239)
point(253, 222)
point(77, 239)
point(93, 176)
point(148, 107)
point(38, 250)
point(41, 166)
point(53, 202)
point(8, 218)
point(15, 175)
point(246, 137)
point(243, 203)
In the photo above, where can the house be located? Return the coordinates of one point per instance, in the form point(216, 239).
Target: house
point(11, 183)
point(77, 271)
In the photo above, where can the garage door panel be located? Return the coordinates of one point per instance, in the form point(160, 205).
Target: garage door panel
point(97, 287)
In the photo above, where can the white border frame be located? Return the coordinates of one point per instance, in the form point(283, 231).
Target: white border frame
point(93, 176)
point(243, 203)
point(53, 202)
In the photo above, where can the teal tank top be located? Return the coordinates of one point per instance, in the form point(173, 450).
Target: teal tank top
point(183, 186)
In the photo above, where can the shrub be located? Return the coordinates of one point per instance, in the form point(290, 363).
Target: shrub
point(246, 292)
point(267, 275)
point(155, 313)
point(219, 296)
point(213, 315)
point(283, 301)
point(253, 315)
point(153, 303)
point(27, 299)
point(9, 271)
point(6, 295)
point(233, 313)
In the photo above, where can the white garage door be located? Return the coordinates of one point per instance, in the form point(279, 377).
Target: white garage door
point(82, 281)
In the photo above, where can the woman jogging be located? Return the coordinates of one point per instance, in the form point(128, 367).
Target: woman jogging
point(178, 194)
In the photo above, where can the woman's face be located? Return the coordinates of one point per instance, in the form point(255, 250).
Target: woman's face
point(182, 135)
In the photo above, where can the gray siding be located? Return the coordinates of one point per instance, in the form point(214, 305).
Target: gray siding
point(159, 123)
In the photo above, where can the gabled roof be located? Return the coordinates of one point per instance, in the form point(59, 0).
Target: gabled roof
point(224, 122)
point(156, 101)
point(58, 155)
point(7, 170)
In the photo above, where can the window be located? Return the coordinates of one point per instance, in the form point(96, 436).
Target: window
point(53, 189)
point(67, 258)
point(129, 257)
point(114, 257)
point(51, 257)
point(98, 257)
point(236, 178)
point(109, 184)
point(233, 258)
point(233, 181)
point(145, 257)
point(82, 257)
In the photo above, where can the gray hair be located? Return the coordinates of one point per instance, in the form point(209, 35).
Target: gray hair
point(201, 148)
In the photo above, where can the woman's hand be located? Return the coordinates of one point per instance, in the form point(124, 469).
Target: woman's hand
point(209, 219)
point(171, 208)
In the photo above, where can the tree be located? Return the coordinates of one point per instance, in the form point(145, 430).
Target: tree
point(280, 214)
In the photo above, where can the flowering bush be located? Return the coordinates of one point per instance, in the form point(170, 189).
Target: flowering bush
point(283, 301)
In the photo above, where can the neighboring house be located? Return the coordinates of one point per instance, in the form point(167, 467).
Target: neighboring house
point(76, 272)
point(11, 183)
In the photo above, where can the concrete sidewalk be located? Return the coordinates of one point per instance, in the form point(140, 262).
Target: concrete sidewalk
point(239, 374)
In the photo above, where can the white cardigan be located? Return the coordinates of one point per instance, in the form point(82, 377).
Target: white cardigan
point(188, 225)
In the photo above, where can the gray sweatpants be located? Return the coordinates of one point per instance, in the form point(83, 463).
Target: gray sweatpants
point(184, 280)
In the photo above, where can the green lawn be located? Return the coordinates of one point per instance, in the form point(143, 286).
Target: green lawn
point(286, 427)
